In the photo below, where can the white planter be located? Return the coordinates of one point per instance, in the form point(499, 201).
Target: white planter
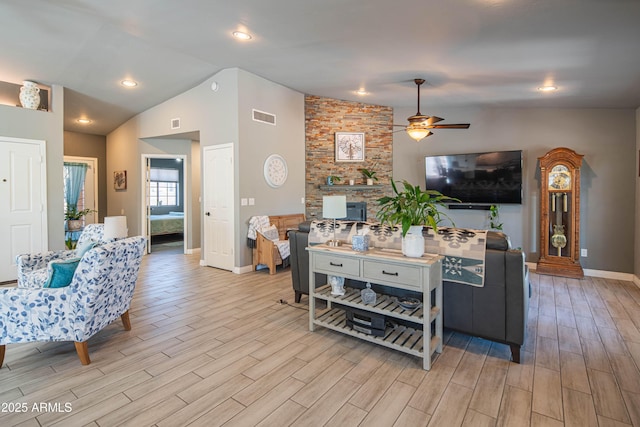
point(369, 181)
point(413, 242)
point(30, 95)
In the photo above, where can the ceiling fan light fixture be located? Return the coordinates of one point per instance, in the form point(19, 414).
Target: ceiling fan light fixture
point(417, 131)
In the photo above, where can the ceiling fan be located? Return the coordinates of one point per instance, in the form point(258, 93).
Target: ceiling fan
point(419, 124)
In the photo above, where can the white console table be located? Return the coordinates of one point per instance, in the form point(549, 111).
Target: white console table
point(418, 277)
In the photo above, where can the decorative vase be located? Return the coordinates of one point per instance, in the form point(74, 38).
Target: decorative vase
point(74, 224)
point(30, 95)
point(330, 180)
point(413, 242)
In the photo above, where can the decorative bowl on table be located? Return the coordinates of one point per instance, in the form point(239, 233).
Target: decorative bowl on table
point(408, 303)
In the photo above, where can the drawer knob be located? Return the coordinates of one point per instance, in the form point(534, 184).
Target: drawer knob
point(389, 273)
point(333, 264)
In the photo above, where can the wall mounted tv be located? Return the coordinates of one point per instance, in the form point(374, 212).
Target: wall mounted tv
point(480, 178)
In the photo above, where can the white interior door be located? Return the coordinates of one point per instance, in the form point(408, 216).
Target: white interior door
point(90, 189)
point(23, 217)
point(218, 185)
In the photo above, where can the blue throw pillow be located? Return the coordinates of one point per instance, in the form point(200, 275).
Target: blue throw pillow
point(60, 272)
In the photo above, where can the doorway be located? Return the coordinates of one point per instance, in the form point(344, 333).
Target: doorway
point(89, 193)
point(164, 203)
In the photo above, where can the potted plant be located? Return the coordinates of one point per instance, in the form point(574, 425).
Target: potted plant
point(333, 179)
point(74, 217)
point(369, 175)
point(413, 208)
point(494, 218)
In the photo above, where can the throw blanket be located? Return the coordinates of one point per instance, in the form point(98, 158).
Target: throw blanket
point(256, 223)
point(463, 251)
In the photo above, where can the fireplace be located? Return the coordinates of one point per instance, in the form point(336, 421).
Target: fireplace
point(356, 211)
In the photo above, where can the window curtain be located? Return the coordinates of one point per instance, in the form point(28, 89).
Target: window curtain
point(73, 182)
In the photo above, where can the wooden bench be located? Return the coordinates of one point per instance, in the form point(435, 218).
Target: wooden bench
point(266, 252)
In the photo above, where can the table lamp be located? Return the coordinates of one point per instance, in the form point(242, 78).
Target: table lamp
point(115, 227)
point(334, 207)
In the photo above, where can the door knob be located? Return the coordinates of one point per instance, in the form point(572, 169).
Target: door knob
point(208, 214)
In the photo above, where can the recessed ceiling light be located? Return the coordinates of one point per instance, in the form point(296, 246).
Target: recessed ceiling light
point(241, 35)
point(83, 121)
point(362, 91)
point(547, 88)
point(129, 83)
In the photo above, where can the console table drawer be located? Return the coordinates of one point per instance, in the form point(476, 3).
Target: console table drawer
point(408, 276)
point(337, 264)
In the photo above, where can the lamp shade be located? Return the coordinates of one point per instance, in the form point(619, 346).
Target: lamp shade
point(115, 227)
point(334, 207)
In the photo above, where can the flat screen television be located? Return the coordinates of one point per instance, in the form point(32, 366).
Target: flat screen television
point(480, 178)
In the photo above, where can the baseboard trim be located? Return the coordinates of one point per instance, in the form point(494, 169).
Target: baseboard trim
point(614, 275)
point(243, 270)
point(193, 251)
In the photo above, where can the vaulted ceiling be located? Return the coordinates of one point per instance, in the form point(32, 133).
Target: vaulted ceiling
point(471, 52)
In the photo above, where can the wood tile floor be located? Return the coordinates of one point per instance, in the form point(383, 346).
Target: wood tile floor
point(212, 348)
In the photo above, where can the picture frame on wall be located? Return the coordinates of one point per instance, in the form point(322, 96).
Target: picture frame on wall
point(120, 180)
point(350, 146)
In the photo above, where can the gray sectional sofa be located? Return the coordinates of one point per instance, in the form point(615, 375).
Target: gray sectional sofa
point(497, 311)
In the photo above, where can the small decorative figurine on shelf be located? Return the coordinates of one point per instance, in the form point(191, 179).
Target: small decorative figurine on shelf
point(368, 295)
point(337, 285)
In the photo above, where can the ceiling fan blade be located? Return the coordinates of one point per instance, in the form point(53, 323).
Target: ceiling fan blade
point(404, 126)
point(451, 126)
point(434, 119)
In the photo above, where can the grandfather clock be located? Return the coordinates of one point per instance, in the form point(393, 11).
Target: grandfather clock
point(560, 213)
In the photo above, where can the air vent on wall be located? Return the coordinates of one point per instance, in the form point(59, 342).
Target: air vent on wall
point(175, 123)
point(261, 116)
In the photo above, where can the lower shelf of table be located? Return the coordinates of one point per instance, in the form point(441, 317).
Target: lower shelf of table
point(401, 338)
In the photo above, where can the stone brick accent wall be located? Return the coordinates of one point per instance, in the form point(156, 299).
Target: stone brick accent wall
point(326, 116)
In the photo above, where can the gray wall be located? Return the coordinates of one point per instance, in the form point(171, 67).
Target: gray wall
point(606, 138)
point(86, 145)
point(222, 117)
point(19, 122)
point(637, 205)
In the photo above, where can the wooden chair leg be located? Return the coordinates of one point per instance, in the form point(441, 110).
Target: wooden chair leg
point(126, 321)
point(2, 349)
point(82, 348)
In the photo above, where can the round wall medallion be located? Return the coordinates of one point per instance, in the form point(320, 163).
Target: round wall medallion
point(275, 170)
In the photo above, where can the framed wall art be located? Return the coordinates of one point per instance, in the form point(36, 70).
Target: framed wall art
point(120, 180)
point(349, 146)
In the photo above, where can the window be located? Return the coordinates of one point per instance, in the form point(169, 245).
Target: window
point(163, 188)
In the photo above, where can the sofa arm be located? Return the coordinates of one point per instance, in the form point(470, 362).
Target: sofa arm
point(30, 262)
point(517, 295)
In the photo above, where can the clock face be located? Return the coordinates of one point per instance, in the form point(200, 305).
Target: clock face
point(560, 178)
point(275, 170)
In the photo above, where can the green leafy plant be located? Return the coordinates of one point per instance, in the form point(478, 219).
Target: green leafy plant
point(74, 214)
point(332, 179)
point(368, 173)
point(494, 218)
point(412, 206)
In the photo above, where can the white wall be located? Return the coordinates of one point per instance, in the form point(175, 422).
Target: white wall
point(48, 126)
point(220, 117)
point(606, 138)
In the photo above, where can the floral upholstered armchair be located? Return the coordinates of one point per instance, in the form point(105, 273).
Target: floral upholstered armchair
point(32, 268)
point(100, 292)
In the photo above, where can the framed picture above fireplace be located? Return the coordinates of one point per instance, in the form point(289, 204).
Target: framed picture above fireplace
point(349, 146)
